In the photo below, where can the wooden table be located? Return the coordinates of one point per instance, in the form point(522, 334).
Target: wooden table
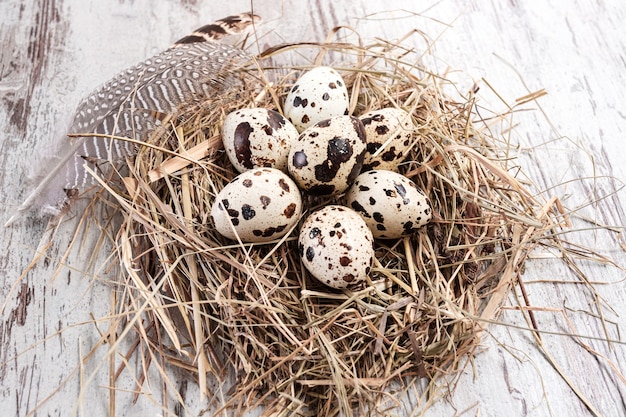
point(571, 143)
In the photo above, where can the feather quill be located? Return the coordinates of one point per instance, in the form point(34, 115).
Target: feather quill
point(193, 69)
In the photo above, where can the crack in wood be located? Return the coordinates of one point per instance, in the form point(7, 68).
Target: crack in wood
point(45, 32)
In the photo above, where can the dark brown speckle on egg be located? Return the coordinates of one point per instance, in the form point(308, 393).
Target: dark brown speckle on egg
point(270, 231)
point(290, 210)
point(338, 151)
point(356, 168)
point(269, 131)
point(359, 128)
point(297, 101)
point(382, 129)
point(402, 192)
point(389, 155)
point(324, 123)
point(242, 144)
point(359, 208)
point(372, 147)
point(299, 160)
point(315, 232)
point(283, 185)
point(247, 212)
point(345, 261)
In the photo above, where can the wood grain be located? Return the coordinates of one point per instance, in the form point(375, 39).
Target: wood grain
point(570, 143)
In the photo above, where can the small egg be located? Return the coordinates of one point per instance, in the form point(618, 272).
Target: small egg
point(318, 94)
point(328, 156)
point(257, 137)
point(391, 129)
point(259, 205)
point(336, 246)
point(390, 203)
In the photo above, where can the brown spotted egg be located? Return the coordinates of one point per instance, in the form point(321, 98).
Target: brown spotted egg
point(328, 156)
point(257, 137)
point(390, 203)
point(259, 205)
point(318, 94)
point(336, 246)
point(388, 133)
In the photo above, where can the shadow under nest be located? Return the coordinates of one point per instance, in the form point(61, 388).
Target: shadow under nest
point(221, 309)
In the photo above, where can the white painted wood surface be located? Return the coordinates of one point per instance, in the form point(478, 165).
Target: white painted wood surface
point(55, 51)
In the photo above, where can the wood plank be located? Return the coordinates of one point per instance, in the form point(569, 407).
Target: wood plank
point(54, 52)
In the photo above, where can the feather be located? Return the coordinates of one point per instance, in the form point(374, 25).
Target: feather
point(193, 69)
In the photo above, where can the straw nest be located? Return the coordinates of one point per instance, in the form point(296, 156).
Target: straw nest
point(253, 315)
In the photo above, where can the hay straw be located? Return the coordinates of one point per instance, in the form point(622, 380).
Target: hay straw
point(219, 308)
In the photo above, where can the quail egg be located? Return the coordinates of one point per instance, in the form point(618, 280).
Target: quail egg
point(390, 129)
point(259, 205)
point(336, 246)
point(318, 94)
point(328, 156)
point(390, 203)
point(257, 137)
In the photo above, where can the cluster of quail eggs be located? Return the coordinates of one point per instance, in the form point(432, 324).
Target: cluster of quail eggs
point(318, 149)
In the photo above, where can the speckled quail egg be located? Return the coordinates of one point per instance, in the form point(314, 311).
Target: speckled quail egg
point(390, 129)
point(259, 205)
point(328, 156)
point(390, 203)
point(336, 246)
point(318, 94)
point(257, 137)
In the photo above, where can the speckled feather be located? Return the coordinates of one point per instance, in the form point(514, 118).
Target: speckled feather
point(193, 69)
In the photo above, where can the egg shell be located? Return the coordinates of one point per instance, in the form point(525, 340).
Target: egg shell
point(257, 137)
point(328, 156)
point(259, 205)
point(336, 246)
point(317, 95)
point(392, 129)
point(391, 204)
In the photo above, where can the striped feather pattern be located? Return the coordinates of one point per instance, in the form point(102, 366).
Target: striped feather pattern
point(195, 68)
point(125, 106)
